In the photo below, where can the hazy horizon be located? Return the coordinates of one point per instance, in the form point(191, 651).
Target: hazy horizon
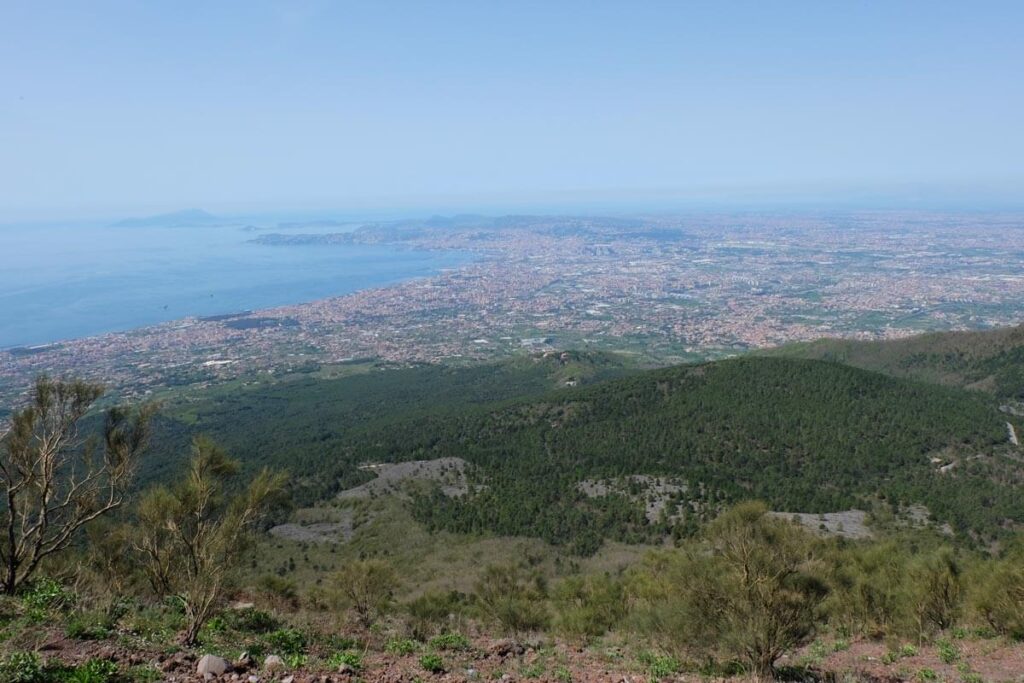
point(113, 109)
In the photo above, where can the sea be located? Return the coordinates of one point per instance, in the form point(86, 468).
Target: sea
point(60, 282)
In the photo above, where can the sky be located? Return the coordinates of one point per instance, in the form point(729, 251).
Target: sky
point(121, 108)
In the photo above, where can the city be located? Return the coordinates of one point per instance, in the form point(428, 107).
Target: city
point(667, 289)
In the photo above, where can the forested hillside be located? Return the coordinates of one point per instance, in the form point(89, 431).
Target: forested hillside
point(307, 425)
point(803, 435)
point(992, 361)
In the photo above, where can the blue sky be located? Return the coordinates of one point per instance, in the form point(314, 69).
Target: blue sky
point(112, 108)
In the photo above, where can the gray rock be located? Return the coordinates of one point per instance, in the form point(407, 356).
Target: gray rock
point(213, 665)
point(506, 648)
point(273, 663)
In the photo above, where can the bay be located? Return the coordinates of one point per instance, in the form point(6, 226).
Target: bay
point(70, 281)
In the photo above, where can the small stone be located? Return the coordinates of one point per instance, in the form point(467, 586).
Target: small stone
point(273, 663)
point(213, 665)
point(506, 647)
point(472, 674)
point(254, 679)
point(288, 679)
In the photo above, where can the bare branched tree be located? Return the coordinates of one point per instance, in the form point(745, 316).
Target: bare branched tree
point(191, 536)
point(54, 481)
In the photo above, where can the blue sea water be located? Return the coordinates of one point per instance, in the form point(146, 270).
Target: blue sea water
point(65, 282)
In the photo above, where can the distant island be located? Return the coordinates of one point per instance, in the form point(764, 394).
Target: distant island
point(188, 218)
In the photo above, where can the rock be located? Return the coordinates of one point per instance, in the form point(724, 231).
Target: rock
point(254, 679)
point(506, 647)
point(288, 679)
point(472, 674)
point(273, 663)
point(213, 665)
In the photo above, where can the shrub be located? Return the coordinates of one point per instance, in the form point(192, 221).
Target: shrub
point(937, 591)
point(870, 594)
point(367, 586)
point(750, 592)
point(281, 588)
point(589, 606)
point(996, 593)
point(250, 620)
point(513, 598)
point(433, 610)
point(432, 663)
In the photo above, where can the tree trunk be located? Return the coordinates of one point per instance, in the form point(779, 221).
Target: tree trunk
point(191, 632)
point(765, 668)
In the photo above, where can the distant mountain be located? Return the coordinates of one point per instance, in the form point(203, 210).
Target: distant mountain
point(189, 218)
point(990, 360)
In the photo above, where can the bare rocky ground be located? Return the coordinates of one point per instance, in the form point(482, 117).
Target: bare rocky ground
point(450, 473)
point(501, 659)
point(848, 523)
point(656, 492)
point(338, 524)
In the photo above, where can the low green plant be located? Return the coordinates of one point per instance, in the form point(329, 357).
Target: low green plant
point(402, 646)
point(563, 675)
point(925, 675)
point(533, 670)
point(144, 674)
point(93, 671)
point(295, 660)
point(288, 641)
point(948, 652)
point(88, 627)
point(250, 620)
point(659, 666)
point(432, 662)
point(47, 594)
point(21, 667)
point(353, 660)
point(450, 641)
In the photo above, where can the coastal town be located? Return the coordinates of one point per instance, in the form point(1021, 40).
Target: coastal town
point(667, 289)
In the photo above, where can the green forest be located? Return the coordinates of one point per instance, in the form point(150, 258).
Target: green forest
point(802, 435)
